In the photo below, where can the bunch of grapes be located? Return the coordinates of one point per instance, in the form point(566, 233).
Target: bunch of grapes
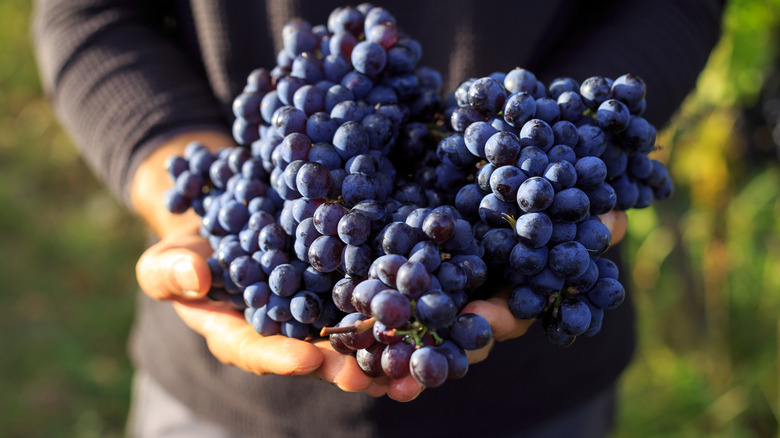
point(546, 161)
point(361, 207)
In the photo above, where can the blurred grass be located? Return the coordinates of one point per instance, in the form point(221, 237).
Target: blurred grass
point(705, 266)
point(67, 255)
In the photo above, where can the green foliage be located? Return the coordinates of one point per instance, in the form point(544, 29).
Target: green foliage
point(705, 265)
point(66, 262)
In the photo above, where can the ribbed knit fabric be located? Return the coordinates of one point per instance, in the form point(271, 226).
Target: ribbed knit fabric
point(124, 74)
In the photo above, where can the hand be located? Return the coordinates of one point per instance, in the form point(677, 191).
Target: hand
point(496, 309)
point(175, 269)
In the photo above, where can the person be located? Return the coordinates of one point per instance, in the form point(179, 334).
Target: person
point(134, 82)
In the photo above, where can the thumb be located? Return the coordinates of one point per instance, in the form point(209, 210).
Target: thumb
point(166, 272)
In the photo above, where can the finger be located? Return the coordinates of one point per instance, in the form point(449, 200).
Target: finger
point(175, 267)
point(617, 222)
point(340, 369)
point(405, 389)
point(496, 311)
point(376, 390)
point(477, 356)
point(233, 341)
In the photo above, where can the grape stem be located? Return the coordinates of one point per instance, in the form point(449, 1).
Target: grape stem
point(357, 327)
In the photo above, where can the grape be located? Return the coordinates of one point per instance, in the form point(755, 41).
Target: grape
point(629, 89)
point(519, 108)
point(534, 229)
point(524, 303)
point(505, 181)
point(369, 359)
point(537, 133)
point(487, 95)
point(429, 367)
point(386, 268)
point(395, 359)
point(502, 148)
point(533, 161)
point(607, 293)
point(355, 340)
point(568, 260)
point(325, 253)
point(369, 58)
point(561, 175)
point(520, 80)
point(476, 136)
point(284, 280)
point(356, 260)
point(528, 260)
point(435, 309)
point(342, 294)
point(279, 308)
point(575, 317)
point(594, 91)
point(570, 205)
point(471, 331)
point(245, 271)
point(498, 244)
point(306, 307)
point(413, 279)
point(256, 294)
point(263, 324)
point(535, 194)
point(391, 308)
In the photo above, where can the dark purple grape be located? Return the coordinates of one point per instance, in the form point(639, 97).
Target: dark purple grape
point(435, 309)
point(369, 359)
point(284, 280)
point(385, 268)
point(391, 308)
point(396, 358)
point(342, 294)
point(524, 303)
point(568, 260)
point(594, 91)
point(471, 331)
point(575, 316)
point(570, 205)
point(428, 367)
point(607, 293)
point(256, 294)
point(535, 194)
point(245, 271)
point(325, 253)
point(263, 324)
point(502, 148)
point(279, 308)
point(413, 279)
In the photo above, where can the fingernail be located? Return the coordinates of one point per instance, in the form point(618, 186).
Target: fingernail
point(191, 294)
point(186, 278)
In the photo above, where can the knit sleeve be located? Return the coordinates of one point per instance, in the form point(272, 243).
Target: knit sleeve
point(118, 83)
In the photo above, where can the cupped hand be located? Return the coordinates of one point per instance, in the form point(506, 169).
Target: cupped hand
point(175, 269)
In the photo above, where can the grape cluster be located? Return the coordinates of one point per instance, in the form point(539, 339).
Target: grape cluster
point(307, 218)
point(546, 161)
point(361, 207)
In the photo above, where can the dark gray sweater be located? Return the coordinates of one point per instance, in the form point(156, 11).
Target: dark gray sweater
point(125, 74)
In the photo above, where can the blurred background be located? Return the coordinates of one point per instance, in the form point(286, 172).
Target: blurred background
point(705, 265)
